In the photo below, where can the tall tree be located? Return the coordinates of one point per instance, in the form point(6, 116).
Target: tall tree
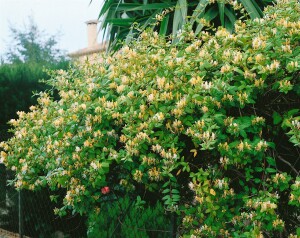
point(30, 52)
point(30, 44)
point(119, 16)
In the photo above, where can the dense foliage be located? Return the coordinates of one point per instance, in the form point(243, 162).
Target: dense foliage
point(210, 125)
point(29, 54)
point(126, 218)
point(120, 19)
point(17, 82)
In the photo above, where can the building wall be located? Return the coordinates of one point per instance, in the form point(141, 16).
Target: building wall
point(94, 50)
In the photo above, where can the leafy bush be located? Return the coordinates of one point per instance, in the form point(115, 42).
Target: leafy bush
point(210, 125)
point(125, 218)
point(30, 53)
point(17, 82)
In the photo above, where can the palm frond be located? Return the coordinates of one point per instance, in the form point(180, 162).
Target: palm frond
point(118, 16)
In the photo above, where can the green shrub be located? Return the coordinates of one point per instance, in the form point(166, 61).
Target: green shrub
point(30, 52)
point(17, 82)
point(124, 218)
point(210, 125)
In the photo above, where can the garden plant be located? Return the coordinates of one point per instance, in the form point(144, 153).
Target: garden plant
point(208, 124)
point(30, 54)
point(119, 18)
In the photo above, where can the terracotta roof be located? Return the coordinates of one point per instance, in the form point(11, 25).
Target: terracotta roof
point(89, 50)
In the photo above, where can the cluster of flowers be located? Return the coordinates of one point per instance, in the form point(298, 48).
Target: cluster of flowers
point(156, 111)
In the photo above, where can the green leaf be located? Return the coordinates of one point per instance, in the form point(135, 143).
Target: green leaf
point(180, 15)
point(229, 25)
point(211, 14)
point(121, 22)
point(293, 112)
point(230, 15)
point(286, 123)
point(176, 197)
point(252, 8)
point(222, 12)
point(276, 118)
point(271, 145)
point(54, 198)
point(298, 231)
point(257, 180)
point(271, 161)
point(166, 184)
point(199, 10)
point(167, 197)
point(133, 7)
point(164, 25)
point(258, 169)
point(271, 170)
point(199, 28)
point(243, 134)
point(104, 164)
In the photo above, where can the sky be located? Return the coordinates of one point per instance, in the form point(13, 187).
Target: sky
point(64, 18)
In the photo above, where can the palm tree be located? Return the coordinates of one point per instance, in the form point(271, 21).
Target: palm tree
point(119, 16)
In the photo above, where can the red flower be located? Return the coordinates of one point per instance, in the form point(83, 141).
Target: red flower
point(105, 190)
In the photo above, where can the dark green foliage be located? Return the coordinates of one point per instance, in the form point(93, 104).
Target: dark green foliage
point(17, 82)
point(123, 218)
point(40, 220)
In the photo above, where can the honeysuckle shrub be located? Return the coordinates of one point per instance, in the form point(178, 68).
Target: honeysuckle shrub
point(209, 125)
